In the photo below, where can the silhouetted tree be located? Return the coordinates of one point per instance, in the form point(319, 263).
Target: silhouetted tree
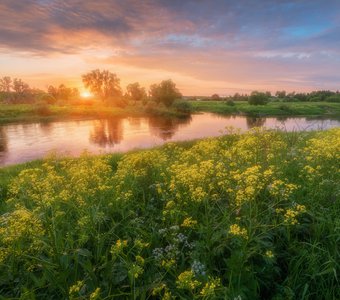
point(165, 92)
point(5, 84)
point(53, 91)
point(62, 92)
point(20, 87)
point(215, 97)
point(280, 94)
point(103, 84)
point(136, 92)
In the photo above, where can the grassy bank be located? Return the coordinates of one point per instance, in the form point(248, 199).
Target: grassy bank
point(31, 113)
point(270, 109)
point(251, 216)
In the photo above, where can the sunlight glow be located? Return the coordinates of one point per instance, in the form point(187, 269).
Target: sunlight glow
point(86, 94)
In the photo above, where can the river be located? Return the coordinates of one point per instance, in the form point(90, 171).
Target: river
point(21, 142)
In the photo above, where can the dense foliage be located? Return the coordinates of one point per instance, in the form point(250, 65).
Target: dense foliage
point(315, 96)
point(245, 216)
point(258, 98)
point(164, 92)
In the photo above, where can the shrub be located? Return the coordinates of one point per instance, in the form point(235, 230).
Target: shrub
point(42, 109)
point(258, 98)
point(182, 106)
point(334, 98)
point(285, 108)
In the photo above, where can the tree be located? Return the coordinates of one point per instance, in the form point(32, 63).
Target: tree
point(103, 84)
point(258, 98)
point(215, 97)
point(165, 92)
point(280, 94)
point(62, 92)
point(19, 86)
point(53, 91)
point(5, 84)
point(136, 92)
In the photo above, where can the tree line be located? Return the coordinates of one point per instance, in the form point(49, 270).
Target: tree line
point(104, 86)
point(256, 97)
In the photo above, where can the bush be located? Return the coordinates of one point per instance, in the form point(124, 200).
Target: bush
point(285, 108)
point(333, 98)
point(151, 107)
point(230, 102)
point(182, 106)
point(258, 98)
point(47, 98)
point(42, 109)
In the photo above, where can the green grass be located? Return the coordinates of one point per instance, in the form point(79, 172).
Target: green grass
point(270, 109)
point(245, 216)
point(31, 113)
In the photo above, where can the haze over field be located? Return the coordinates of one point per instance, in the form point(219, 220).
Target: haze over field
point(228, 47)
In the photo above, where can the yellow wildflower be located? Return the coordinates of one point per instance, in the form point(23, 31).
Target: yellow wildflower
point(209, 289)
point(269, 254)
point(95, 295)
point(189, 222)
point(236, 230)
point(186, 280)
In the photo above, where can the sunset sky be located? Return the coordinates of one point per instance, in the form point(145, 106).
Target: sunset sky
point(204, 46)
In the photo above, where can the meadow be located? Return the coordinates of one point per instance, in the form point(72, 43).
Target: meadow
point(85, 110)
point(272, 108)
point(242, 216)
point(48, 112)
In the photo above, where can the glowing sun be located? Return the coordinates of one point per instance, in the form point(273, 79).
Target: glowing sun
point(86, 94)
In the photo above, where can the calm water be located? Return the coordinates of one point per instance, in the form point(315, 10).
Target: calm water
point(25, 142)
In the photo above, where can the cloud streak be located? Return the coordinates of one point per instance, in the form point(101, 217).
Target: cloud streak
point(264, 43)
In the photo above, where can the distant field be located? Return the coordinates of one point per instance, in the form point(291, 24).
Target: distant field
point(270, 109)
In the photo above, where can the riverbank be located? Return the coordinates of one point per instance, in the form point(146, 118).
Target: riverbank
point(322, 109)
point(246, 216)
point(10, 113)
point(33, 113)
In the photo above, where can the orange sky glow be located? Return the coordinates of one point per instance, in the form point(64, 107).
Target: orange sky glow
point(222, 48)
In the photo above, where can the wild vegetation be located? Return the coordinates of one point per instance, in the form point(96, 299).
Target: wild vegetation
point(104, 86)
point(280, 96)
point(272, 108)
point(19, 102)
point(107, 99)
point(243, 216)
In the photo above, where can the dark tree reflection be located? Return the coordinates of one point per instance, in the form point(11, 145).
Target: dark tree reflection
point(135, 123)
point(3, 144)
point(166, 127)
point(107, 132)
point(46, 127)
point(255, 122)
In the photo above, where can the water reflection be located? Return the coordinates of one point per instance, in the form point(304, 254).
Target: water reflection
point(24, 142)
point(255, 122)
point(46, 127)
point(135, 123)
point(107, 132)
point(166, 127)
point(3, 144)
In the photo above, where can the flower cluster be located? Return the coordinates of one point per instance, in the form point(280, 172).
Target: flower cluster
point(238, 231)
